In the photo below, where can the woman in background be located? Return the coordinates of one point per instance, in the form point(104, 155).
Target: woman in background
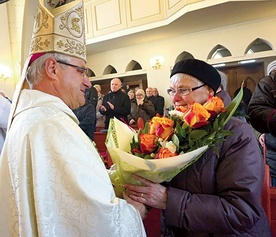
point(140, 108)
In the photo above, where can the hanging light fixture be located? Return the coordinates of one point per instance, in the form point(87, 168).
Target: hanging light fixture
point(156, 62)
point(5, 72)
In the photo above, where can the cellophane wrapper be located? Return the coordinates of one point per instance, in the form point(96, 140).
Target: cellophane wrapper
point(125, 164)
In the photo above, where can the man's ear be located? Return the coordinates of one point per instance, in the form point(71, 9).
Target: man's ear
point(51, 68)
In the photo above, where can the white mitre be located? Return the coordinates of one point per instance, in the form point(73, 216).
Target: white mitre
point(57, 28)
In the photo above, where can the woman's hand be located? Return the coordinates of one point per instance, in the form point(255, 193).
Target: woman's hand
point(152, 194)
point(262, 139)
point(140, 102)
point(141, 208)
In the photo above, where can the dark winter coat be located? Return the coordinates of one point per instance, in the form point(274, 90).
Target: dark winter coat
point(145, 111)
point(121, 103)
point(86, 114)
point(270, 142)
point(262, 107)
point(220, 196)
point(158, 103)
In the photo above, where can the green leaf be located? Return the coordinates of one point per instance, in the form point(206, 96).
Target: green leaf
point(231, 108)
point(175, 140)
point(199, 133)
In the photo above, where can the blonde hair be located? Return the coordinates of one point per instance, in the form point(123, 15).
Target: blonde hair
point(140, 91)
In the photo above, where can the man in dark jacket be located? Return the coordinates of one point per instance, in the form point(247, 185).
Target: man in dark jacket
point(262, 112)
point(116, 103)
point(262, 107)
point(86, 114)
point(158, 101)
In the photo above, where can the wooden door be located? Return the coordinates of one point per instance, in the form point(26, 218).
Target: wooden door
point(250, 73)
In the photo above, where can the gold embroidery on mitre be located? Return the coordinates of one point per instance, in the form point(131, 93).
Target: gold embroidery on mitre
point(60, 30)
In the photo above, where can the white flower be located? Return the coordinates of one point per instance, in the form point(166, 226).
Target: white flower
point(170, 146)
point(176, 113)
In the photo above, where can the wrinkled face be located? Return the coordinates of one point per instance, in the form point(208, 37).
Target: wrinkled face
point(73, 82)
point(154, 92)
point(115, 84)
point(185, 81)
point(149, 92)
point(139, 96)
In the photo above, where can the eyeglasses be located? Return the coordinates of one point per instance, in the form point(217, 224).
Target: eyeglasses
point(82, 70)
point(183, 91)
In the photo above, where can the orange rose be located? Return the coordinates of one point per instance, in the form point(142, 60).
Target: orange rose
point(161, 127)
point(148, 143)
point(164, 153)
point(197, 116)
point(214, 106)
point(182, 109)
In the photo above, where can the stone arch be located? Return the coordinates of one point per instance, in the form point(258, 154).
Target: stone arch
point(258, 45)
point(133, 65)
point(109, 70)
point(183, 55)
point(219, 51)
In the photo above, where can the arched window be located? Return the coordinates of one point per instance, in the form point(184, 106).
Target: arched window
point(133, 65)
point(258, 45)
point(92, 74)
point(109, 70)
point(219, 52)
point(183, 55)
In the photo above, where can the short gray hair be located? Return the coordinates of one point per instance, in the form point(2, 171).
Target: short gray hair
point(36, 70)
point(224, 80)
point(178, 76)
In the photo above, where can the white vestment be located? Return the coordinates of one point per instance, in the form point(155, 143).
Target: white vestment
point(53, 182)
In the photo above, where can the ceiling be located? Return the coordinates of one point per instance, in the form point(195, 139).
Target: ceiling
point(217, 16)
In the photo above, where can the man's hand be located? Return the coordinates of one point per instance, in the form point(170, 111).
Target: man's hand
point(110, 105)
point(102, 108)
point(141, 208)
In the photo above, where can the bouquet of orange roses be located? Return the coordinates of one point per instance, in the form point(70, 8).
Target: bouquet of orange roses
point(165, 146)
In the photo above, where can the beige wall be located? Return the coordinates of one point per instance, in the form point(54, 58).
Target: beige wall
point(235, 38)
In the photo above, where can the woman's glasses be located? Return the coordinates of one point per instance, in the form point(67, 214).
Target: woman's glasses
point(182, 91)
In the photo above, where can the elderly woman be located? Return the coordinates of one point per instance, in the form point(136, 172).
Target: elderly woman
point(217, 195)
point(140, 108)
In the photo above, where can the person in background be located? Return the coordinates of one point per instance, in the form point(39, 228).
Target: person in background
point(86, 114)
point(116, 103)
point(136, 88)
point(52, 180)
point(131, 95)
point(268, 141)
point(221, 92)
point(141, 108)
point(149, 93)
point(262, 113)
point(158, 102)
point(219, 194)
point(262, 107)
point(242, 111)
point(5, 107)
point(100, 118)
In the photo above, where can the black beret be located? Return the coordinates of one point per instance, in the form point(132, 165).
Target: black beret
point(200, 70)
